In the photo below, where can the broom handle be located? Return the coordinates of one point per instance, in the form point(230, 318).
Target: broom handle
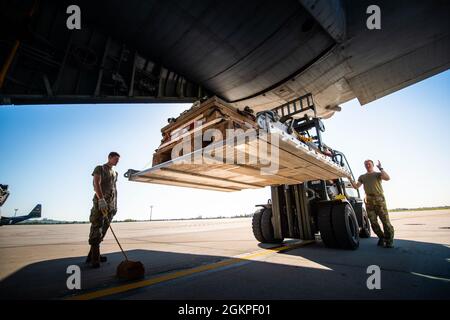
point(126, 258)
point(117, 240)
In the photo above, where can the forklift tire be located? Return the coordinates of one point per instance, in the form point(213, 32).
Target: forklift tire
point(326, 227)
point(267, 227)
point(256, 225)
point(345, 225)
point(365, 230)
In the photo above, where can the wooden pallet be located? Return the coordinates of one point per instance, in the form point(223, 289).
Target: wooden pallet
point(296, 163)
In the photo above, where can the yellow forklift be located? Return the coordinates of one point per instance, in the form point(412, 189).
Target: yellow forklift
point(311, 193)
point(331, 209)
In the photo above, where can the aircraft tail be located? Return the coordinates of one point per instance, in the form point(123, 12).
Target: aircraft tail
point(36, 212)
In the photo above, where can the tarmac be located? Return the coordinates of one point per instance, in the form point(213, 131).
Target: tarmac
point(220, 259)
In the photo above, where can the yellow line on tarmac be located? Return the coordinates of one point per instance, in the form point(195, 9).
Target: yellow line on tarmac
point(183, 273)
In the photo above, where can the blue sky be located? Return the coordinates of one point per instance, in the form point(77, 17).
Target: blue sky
point(48, 154)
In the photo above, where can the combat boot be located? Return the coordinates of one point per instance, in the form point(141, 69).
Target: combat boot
point(389, 244)
point(89, 257)
point(95, 256)
point(381, 243)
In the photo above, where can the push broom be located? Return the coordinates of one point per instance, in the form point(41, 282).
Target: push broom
point(127, 269)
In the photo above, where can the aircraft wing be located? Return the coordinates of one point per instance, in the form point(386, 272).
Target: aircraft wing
point(256, 53)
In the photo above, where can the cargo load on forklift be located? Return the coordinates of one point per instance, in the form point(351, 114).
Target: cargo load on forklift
point(216, 146)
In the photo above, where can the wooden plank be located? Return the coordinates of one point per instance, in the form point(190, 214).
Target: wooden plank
point(181, 136)
point(205, 178)
point(160, 180)
point(186, 116)
point(310, 157)
point(232, 172)
point(256, 172)
point(281, 161)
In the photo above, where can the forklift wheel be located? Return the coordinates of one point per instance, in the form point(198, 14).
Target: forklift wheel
point(345, 225)
point(365, 229)
point(326, 227)
point(256, 225)
point(267, 227)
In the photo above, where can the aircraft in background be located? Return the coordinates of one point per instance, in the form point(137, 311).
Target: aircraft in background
point(4, 194)
point(35, 213)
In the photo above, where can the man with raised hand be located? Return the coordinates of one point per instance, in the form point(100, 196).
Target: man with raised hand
point(376, 203)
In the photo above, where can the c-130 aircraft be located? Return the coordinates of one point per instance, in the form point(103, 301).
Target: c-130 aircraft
point(4, 194)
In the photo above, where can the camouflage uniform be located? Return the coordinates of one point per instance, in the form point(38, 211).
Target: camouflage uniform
point(99, 223)
point(376, 207)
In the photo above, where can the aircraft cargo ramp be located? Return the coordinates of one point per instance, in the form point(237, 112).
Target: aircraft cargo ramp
point(217, 147)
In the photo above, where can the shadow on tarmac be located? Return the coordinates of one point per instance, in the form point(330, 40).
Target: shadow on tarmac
point(411, 270)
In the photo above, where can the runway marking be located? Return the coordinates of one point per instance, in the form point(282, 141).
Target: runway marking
point(392, 214)
point(430, 277)
point(170, 276)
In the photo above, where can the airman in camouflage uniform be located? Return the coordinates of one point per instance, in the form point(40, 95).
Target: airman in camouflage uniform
point(376, 207)
point(376, 203)
point(104, 206)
